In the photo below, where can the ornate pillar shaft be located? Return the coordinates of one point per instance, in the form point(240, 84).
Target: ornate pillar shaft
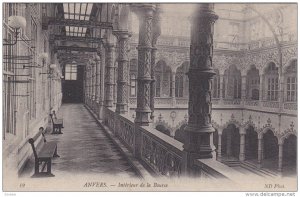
point(89, 80)
point(97, 90)
point(156, 33)
point(123, 75)
point(109, 76)
point(242, 147)
point(93, 80)
point(243, 93)
point(199, 129)
point(101, 54)
point(280, 154)
point(259, 152)
point(173, 84)
point(219, 153)
point(221, 86)
point(144, 65)
point(261, 87)
point(152, 84)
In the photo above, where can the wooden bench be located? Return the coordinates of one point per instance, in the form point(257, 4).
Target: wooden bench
point(43, 156)
point(57, 123)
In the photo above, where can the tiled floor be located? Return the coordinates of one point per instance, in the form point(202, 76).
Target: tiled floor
point(84, 148)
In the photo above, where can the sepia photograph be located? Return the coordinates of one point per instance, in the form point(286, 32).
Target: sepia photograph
point(149, 96)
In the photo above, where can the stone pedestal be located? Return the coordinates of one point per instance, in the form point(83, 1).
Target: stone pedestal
point(199, 129)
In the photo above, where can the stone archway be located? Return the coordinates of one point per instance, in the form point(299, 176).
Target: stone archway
point(289, 162)
point(231, 142)
point(270, 150)
point(251, 144)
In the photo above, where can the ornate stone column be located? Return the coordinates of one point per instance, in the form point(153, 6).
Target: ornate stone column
point(199, 129)
point(242, 145)
point(89, 82)
point(97, 89)
point(101, 54)
point(156, 33)
point(173, 88)
point(259, 152)
point(221, 86)
point(243, 93)
point(93, 63)
point(123, 75)
point(261, 87)
point(280, 154)
point(109, 75)
point(145, 13)
point(219, 153)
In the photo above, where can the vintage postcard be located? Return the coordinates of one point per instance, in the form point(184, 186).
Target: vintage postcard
point(109, 96)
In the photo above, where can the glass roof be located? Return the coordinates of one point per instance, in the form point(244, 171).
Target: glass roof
point(77, 11)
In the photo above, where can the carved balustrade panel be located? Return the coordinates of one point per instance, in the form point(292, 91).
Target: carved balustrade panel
point(232, 102)
point(126, 132)
point(271, 104)
point(252, 102)
point(290, 106)
point(160, 158)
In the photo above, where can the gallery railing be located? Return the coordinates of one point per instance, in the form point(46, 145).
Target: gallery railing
point(159, 153)
point(290, 105)
point(182, 102)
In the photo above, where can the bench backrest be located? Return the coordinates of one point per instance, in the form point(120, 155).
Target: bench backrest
point(51, 116)
point(54, 114)
point(33, 139)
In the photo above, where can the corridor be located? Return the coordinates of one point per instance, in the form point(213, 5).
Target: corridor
point(84, 148)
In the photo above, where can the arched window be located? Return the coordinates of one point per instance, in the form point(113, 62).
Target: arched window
point(216, 85)
point(291, 81)
point(163, 79)
point(132, 85)
point(179, 86)
point(233, 82)
point(182, 81)
point(157, 85)
point(133, 78)
point(252, 83)
point(271, 80)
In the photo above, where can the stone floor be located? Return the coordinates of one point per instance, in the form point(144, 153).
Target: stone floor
point(84, 148)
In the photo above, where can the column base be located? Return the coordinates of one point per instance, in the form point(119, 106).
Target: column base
point(242, 157)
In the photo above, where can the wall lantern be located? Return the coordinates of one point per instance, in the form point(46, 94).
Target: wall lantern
point(16, 23)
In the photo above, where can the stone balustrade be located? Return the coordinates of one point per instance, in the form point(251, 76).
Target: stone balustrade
point(290, 106)
point(161, 153)
point(217, 103)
